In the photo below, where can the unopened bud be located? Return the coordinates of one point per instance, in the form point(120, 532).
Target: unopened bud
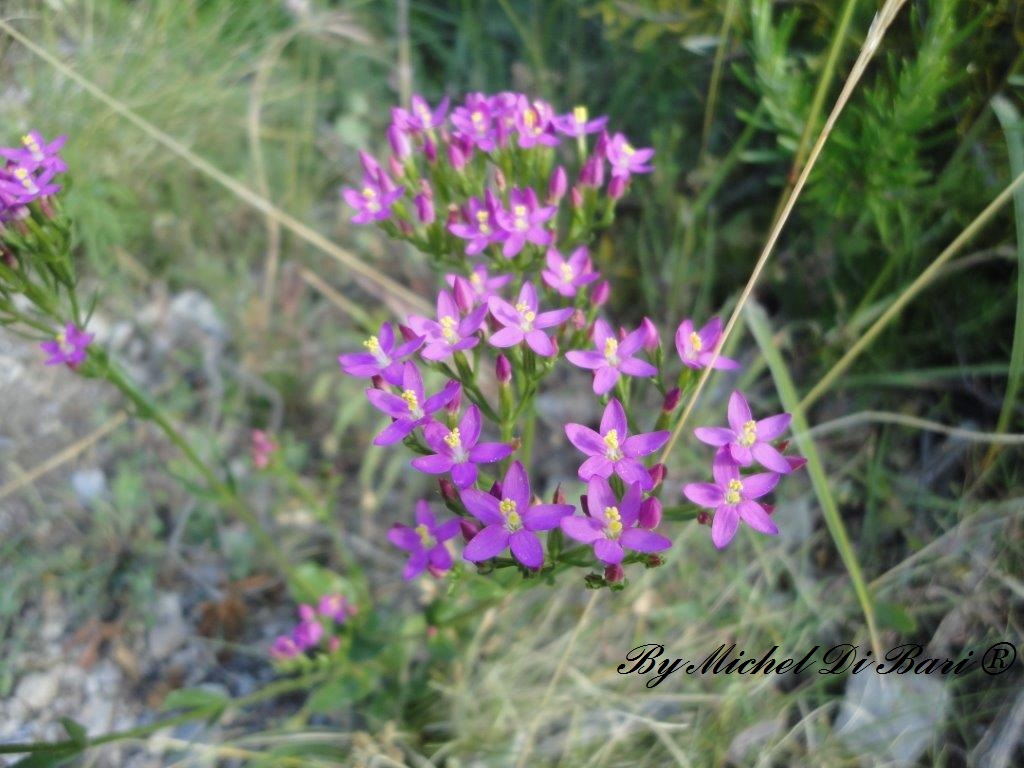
point(396, 167)
point(557, 186)
point(370, 164)
point(424, 209)
point(503, 369)
point(651, 339)
point(456, 157)
point(649, 515)
point(576, 197)
point(617, 187)
point(405, 227)
point(671, 401)
point(499, 180)
point(601, 145)
point(584, 505)
point(430, 150)
point(592, 173)
point(407, 333)
point(454, 217)
point(657, 473)
point(448, 492)
point(769, 508)
point(614, 573)
point(558, 497)
point(703, 518)
point(796, 462)
point(579, 319)
point(468, 528)
point(465, 297)
point(456, 402)
point(601, 293)
point(399, 142)
point(377, 382)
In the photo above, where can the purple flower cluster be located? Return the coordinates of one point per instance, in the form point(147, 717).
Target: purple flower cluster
point(69, 348)
point(315, 626)
point(28, 173)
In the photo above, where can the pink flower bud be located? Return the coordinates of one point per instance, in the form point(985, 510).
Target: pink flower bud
point(614, 573)
point(601, 145)
point(456, 157)
point(448, 492)
point(559, 495)
point(651, 339)
point(796, 462)
point(649, 515)
point(657, 473)
point(584, 504)
point(556, 345)
point(499, 180)
point(617, 187)
point(456, 402)
point(377, 382)
point(579, 319)
point(334, 644)
point(399, 142)
point(576, 197)
point(465, 297)
point(468, 528)
point(407, 333)
point(503, 369)
point(405, 227)
point(703, 518)
point(671, 401)
point(601, 293)
point(592, 173)
point(430, 150)
point(769, 508)
point(424, 208)
point(431, 632)
point(454, 217)
point(557, 186)
point(396, 167)
point(370, 164)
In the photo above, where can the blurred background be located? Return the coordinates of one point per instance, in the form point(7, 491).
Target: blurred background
point(121, 585)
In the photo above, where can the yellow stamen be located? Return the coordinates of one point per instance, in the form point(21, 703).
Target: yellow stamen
point(695, 342)
point(475, 280)
point(732, 495)
point(513, 521)
point(477, 117)
point(448, 329)
point(372, 345)
point(627, 149)
point(568, 273)
point(428, 541)
point(530, 117)
point(613, 522)
point(579, 114)
point(369, 193)
point(454, 439)
point(611, 348)
point(411, 400)
point(611, 443)
point(749, 436)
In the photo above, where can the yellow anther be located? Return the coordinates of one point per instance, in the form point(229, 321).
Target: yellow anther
point(428, 541)
point(372, 345)
point(695, 342)
point(373, 206)
point(454, 438)
point(627, 149)
point(732, 494)
point(507, 507)
point(580, 114)
point(369, 193)
point(20, 173)
point(522, 307)
point(613, 522)
point(477, 117)
point(519, 211)
point(513, 520)
point(749, 436)
point(530, 117)
point(412, 400)
point(449, 330)
point(611, 348)
point(611, 443)
point(568, 273)
point(475, 280)
point(529, 315)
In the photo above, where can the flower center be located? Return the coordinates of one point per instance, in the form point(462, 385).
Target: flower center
point(613, 450)
point(513, 522)
point(749, 436)
point(482, 217)
point(369, 193)
point(448, 329)
point(519, 211)
point(568, 273)
point(62, 342)
point(733, 491)
point(613, 522)
point(476, 281)
point(627, 149)
point(372, 345)
point(579, 114)
point(696, 343)
point(454, 439)
point(26, 180)
point(32, 146)
point(426, 539)
point(611, 351)
point(412, 400)
point(530, 117)
point(425, 117)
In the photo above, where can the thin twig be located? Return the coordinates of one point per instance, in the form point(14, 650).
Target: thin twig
point(914, 422)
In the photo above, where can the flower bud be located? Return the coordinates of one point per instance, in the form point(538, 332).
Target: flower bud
point(456, 402)
point(584, 505)
point(377, 382)
point(468, 528)
point(655, 561)
point(448, 492)
point(456, 157)
point(431, 631)
point(614, 573)
point(407, 333)
point(454, 217)
point(405, 227)
point(437, 573)
point(499, 180)
point(370, 164)
point(396, 167)
point(503, 370)
point(465, 297)
point(651, 339)
point(671, 401)
point(576, 197)
point(601, 145)
point(796, 462)
point(430, 150)
point(703, 518)
point(649, 515)
point(617, 187)
point(424, 208)
point(558, 497)
point(601, 293)
point(399, 142)
point(657, 473)
point(769, 508)
point(592, 173)
point(579, 319)
point(557, 186)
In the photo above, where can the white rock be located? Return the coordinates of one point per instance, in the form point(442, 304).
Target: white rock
point(169, 631)
point(88, 485)
point(37, 689)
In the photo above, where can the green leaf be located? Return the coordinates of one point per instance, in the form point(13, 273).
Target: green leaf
point(336, 694)
point(893, 616)
point(48, 759)
point(76, 731)
point(195, 698)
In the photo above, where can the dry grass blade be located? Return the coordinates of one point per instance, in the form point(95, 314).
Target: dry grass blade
point(366, 275)
point(883, 19)
point(913, 422)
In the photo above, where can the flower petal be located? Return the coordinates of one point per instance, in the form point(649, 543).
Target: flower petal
point(516, 486)
point(604, 380)
point(544, 517)
point(739, 412)
point(596, 466)
point(704, 494)
point(634, 366)
point(754, 515)
point(482, 506)
point(756, 486)
point(770, 458)
point(486, 544)
point(508, 336)
point(404, 537)
point(600, 496)
point(464, 475)
point(614, 417)
point(586, 439)
point(485, 453)
point(469, 426)
point(527, 549)
point(642, 540)
point(724, 526)
point(585, 358)
point(607, 551)
point(645, 444)
point(582, 529)
point(540, 343)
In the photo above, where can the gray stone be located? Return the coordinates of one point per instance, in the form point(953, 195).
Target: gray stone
point(169, 631)
point(38, 689)
point(89, 485)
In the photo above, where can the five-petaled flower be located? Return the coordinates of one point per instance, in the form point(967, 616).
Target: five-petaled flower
point(451, 332)
point(567, 276)
point(309, 630)
point(747, 439)
point(381, 358)
point(69, 348)
point(524, 221)
point(480, 227)
point(473, 121)
point(611, 525)
point(481, 286)
point(578, 123)
point(20, 185)
point(612, 357)
point(372, 201)
point(524, 322)
point(35, 152)
point(411, 408)
point(533, 123)
point(511, 520)
point(425, 542)
point(696, 348)
point(336, 608)
point(613, 450)
point(625, 160)
point(420, 118)
point(732, 498)
point(458, 450)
